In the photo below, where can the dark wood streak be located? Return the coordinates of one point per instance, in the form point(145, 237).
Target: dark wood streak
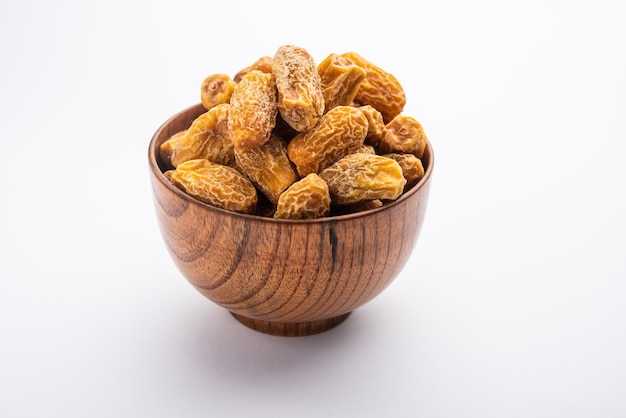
point(171, 208)
point(201, 244)
point(327, 230)
point(338, 263)
point(338, 288)
point(370, 290)
point(286, 298)
point(261, 270)
point(334, 242)
point(345, 306)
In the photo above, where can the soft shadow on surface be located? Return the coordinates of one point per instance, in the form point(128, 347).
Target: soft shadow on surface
point(218, 343)
point(212, 363)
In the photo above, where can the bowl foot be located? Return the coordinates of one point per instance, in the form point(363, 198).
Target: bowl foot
point(291, 329)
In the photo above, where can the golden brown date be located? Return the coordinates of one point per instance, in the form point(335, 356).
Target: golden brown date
point(340, 79)
point(341, 131)
point(366, 149)
point(216, 89)
point(300, 98)
point(412, 168)
point(380, 89)
point(307, 198)
point(252, 113)
point(268, 167)
point(360, 177)
point(375, 124)
point(263, 64)
point(216, 184)
point(169, 145)
point(207, 138)
point(403, 134)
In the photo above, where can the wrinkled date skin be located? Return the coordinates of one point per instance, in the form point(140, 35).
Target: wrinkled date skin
point(375, 125)
point(340, 132)
point(361, 177)
point(252, 113)
point(307, 198)
point(300, 98)
point(403, 134)
point(169, 145)
point(412, 168)
point(216, 184)
point(268, 167)
point(380, 89)
point(263, 64)
point(208, 138)
point(216, 89)
point(340, 79)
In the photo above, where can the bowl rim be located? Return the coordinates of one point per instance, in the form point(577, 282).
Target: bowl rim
point(160, 176)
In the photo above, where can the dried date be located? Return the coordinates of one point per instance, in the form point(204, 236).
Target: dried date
point(403, 134)
point(340, 79)
point(341, 131)
point(300, 98)
point(268, 167)
point(375, 125)
point(307, 198)
point(362, 177)
point(216, 185)
point(252, 113)
point(379, 89)
point(169, 145)
point(207, 138)
point(412, 168)
point(216, 89)
point(263, 64)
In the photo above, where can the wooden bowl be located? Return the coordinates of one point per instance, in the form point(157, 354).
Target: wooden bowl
point(285, 277)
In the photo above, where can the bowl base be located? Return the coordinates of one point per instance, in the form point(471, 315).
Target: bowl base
point(291, 329)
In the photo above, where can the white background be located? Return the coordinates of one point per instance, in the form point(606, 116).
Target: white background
point(512, 305)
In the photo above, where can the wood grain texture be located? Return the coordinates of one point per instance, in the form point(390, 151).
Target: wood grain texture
point(285, 277)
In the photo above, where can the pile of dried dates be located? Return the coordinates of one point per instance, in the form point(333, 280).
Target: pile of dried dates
point(290, 139)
